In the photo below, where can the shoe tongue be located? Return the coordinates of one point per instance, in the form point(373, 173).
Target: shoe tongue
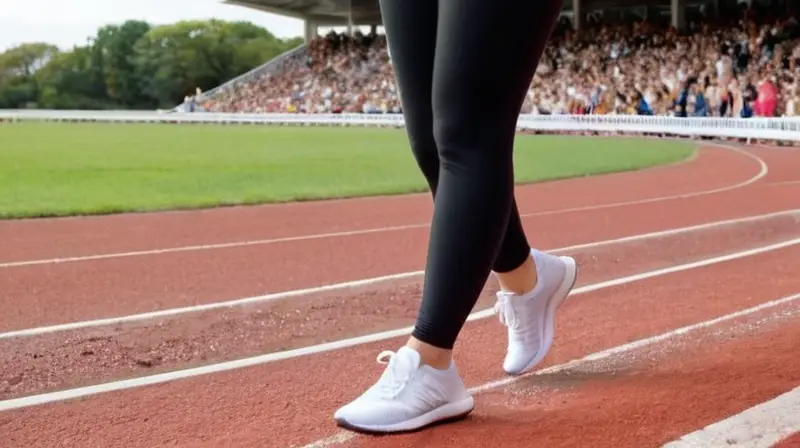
point(408, 357)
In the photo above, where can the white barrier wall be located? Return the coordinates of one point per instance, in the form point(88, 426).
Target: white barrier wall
point(783, 128)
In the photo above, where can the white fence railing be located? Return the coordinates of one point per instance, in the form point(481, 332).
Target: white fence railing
point(783, 128)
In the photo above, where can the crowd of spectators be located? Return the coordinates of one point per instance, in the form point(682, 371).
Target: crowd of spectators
point(338, 74)
point(743, 64)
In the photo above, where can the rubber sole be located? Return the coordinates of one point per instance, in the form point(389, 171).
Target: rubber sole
point(448, 413)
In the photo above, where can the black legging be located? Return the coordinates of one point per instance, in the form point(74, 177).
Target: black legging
point(463, 68)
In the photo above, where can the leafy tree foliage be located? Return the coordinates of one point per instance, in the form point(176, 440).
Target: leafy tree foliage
point(135, 65)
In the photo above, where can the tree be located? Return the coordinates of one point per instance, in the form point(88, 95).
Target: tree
point(116, 45)
point(70, 81)
point(175, 59)
point(135, 65)
point(18, 66)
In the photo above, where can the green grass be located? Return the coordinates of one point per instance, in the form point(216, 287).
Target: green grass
point(52, 169)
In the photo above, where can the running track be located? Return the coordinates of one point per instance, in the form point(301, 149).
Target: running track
point(682, 328)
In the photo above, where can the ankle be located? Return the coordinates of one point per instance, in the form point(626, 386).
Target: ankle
point(435, 357)
point(521, 280)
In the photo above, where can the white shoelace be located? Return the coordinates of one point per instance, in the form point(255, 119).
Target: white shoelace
point(506, 312)
point(385, 356)
point(396, 376)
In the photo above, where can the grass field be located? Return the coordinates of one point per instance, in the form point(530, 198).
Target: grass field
point(52, 169)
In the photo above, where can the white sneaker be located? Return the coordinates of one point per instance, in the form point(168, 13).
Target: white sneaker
point(530, 318)
point(407, 397)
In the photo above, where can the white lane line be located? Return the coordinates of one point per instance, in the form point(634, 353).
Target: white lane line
point(344, 343)
point(774, 147)
point(344, 436)
point(169, 250)
point(365, 282)
point(763, 170)
point(787, 182)
point(761, 426)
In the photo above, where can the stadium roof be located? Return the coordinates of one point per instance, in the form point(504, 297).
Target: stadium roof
point(364, 12)
point(324, 12)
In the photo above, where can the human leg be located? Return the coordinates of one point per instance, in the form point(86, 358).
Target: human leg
point(397, 402)
point(486, 55)
point(475, 110)
point(413, 56)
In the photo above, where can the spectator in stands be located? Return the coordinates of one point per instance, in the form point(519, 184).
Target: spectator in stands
point(767, 98)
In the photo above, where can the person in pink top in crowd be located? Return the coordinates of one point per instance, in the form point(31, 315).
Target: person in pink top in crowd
point(767, 101)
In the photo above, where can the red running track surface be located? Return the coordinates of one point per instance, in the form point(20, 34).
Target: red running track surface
point(645, 397)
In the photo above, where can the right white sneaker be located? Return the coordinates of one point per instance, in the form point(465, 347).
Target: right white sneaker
point(408, 396)
point(530, 317)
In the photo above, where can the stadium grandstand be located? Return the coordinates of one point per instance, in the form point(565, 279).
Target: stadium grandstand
point(673, 57)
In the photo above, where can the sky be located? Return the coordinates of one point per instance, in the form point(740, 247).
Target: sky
point(65, 23)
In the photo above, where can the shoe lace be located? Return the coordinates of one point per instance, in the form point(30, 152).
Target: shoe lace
point(505, 311)
point(396, 375)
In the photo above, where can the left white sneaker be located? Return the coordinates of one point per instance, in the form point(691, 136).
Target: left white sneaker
point(408, 396)
point(530, 318)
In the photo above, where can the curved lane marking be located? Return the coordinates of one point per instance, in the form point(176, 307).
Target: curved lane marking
point(763, 170)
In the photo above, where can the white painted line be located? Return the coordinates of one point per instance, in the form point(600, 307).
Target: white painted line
point(169, 250)
point(344, 436)
point(351, 342)
point(788, 182)
point(773, 147)
point(358, 283)
point(761, 426)
point(336, 439)
point(763, 170)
